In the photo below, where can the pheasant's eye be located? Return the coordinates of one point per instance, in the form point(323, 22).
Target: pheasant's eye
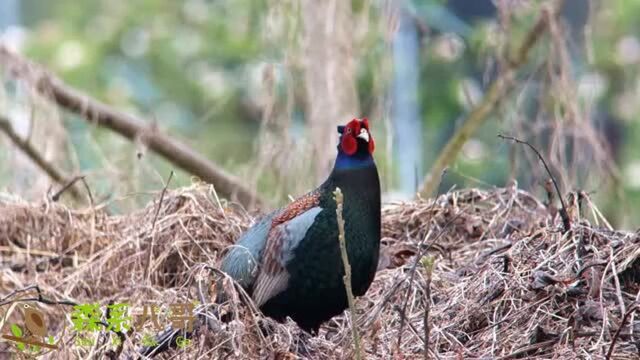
point(349, 130)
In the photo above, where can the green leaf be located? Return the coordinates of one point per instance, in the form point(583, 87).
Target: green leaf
point(50, 340)
point(16, 330)
point(428, 262)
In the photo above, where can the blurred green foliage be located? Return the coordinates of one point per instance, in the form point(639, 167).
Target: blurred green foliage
point(197, 66)
point(184, 63)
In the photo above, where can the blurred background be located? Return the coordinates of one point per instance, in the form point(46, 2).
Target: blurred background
point(257, 86)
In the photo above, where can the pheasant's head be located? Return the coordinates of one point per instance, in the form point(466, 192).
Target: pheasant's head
point(355, 138)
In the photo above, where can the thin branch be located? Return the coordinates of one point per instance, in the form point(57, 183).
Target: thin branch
point(40, 265)
point(617, 334)
point(164, 191)
point(153, 225)
point(69, 185)
point(564, 214)
point(403, 316)
point(497, 91)
point(120, 334)
point(347, 270)
point(86, 187)
point(128, 126)
point(28, 149)
point(41, 299)
point(529, 349)
point(428, 263)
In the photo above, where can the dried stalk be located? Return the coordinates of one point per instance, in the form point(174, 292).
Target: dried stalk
point(347, 270)
point(428, 263)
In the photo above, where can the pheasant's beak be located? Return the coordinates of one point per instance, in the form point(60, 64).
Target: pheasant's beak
point(364, 134)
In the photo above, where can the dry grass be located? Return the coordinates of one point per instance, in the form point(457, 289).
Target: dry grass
point(506, 283)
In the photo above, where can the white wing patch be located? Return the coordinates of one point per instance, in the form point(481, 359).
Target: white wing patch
point(282, 241)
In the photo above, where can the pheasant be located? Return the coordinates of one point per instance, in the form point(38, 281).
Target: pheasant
point(289, 261)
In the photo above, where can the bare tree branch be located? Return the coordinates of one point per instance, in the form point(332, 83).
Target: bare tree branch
point(128, 126)
point(35, 155)
point(497, 90)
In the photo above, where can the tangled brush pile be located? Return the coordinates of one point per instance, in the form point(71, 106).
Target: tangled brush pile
point(471, 274)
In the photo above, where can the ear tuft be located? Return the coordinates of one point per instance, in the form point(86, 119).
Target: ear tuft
point(340, 129)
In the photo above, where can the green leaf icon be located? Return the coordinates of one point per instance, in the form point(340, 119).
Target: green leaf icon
point(16, 331)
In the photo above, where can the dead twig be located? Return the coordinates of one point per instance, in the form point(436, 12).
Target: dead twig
point(5, 300)
point(403, 316)
point(153, 224)
point(86, 187)
point(427, 263)
point(28, 149)
point(164, 191)
point(67, 186)
point(564, 214)
point(115, 354)
point(617, 334)
point(527, 350)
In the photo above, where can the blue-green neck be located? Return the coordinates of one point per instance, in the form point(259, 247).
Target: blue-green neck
point(356, 161)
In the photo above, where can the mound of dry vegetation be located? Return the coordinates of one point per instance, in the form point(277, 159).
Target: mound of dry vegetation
point(499, 278)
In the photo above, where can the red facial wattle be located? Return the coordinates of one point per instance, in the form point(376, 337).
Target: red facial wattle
point(349, 142)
